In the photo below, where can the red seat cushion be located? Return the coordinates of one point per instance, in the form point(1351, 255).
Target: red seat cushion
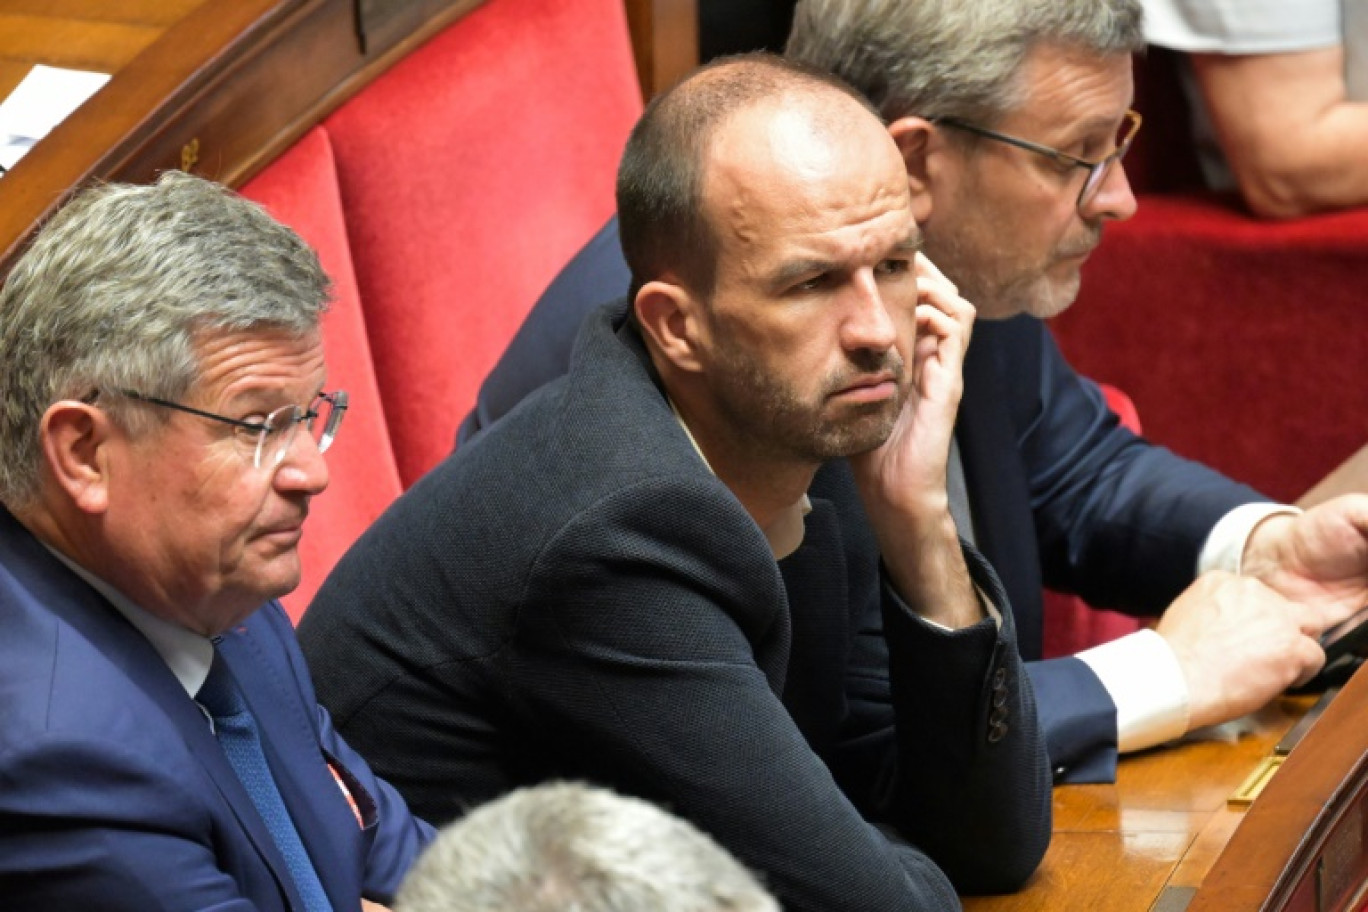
point(470, 173)
point(300, 189)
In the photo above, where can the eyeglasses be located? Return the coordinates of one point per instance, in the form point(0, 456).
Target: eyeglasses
point(1097, 170)
point(274, 435)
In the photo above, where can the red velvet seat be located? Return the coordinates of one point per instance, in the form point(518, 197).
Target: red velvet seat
point(470, 173)
point(442, 199)
point(1244, 343)
point(300, 189)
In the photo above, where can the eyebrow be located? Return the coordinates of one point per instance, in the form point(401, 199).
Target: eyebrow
point(913, 242)
point(1084, 130)
point(791, 271)
point(268, 398)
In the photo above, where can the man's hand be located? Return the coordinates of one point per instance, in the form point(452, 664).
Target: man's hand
point(1240, 644)
point(902, 482)
point(1319, 558)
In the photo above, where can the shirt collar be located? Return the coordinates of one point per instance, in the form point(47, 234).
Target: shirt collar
point(785, 532)
point(185, 652)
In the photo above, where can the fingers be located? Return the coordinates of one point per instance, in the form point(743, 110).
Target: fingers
point(936, 292)
point(928, 271)
point(1310, 621)
point(1239, 644)
point(1311, 659)
point(944, 320)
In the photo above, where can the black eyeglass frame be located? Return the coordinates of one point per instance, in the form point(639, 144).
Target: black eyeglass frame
point(1097, 170)
point(337, 399)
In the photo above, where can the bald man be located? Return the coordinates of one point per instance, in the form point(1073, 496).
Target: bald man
point(625, 581)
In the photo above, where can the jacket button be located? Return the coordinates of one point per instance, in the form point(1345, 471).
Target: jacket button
point(999, 696)
point(999, 677)
point(996, 732)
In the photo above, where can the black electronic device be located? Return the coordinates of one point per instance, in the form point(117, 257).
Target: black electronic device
point(1348, 637)
point(1346, 647)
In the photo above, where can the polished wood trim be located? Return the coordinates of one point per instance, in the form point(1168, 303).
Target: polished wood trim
point(101, 134)
point(1166, 838)
point(222, 93)
point(12, 72)
point(664, 41)
point(1304, 837)
point(81, 45)
point(1146, 842)
point(144, 12)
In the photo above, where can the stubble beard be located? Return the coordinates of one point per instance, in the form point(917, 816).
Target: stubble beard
point(1007, 287)
point(781, 424)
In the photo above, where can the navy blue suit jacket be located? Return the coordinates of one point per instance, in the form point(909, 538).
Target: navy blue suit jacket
point(114, 793)
point(1060, 493)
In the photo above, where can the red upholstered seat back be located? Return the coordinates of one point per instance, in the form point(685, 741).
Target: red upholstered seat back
point(1244, 343)
point(300, 189)
point(470, 173)
point(442, 199)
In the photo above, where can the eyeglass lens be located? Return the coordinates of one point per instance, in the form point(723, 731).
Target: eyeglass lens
point(1097, 175)
point(322, 419)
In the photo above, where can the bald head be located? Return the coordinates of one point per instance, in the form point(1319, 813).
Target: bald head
point(666, 227)
point(778, 300)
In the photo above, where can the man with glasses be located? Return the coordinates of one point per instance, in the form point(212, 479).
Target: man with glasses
point(1012, 118)
point(162, 433)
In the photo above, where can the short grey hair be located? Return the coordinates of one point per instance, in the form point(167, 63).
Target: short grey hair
point(567, 847)
point(952, 58)
point(118, 286)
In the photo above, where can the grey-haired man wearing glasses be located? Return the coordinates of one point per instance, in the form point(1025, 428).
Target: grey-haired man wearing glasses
point(1012, 118)
point(162, 427)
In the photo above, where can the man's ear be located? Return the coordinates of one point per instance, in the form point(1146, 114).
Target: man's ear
point(75, 440)
point(917, 139)
point(671, 319)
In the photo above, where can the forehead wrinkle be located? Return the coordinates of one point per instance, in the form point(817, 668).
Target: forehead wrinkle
point(750, 203)
point(261, 367)
point(788, 180)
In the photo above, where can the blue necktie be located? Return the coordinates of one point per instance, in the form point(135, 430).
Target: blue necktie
point(237, 733)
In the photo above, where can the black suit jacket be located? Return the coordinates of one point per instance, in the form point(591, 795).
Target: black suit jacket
point(1060, 494)
point(575, 595)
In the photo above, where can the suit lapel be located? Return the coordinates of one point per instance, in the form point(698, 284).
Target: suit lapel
point(75, 603)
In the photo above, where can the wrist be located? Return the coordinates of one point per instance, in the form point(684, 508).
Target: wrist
point(929, 572)
point(1262, 550)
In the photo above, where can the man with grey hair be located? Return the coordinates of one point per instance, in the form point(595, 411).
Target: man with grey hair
point(160, 743)
point(1012, 117)
point(560, 846)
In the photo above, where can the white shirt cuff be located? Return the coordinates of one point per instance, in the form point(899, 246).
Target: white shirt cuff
point(1143, 678)
point(1226, 541)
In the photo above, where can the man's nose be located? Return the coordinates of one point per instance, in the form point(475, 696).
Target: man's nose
point(1113, 200)
point(303, 468)
point(868, 324)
